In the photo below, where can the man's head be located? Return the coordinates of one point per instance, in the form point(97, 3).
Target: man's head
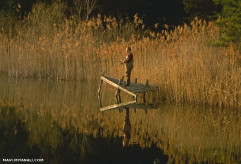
point(128, 49)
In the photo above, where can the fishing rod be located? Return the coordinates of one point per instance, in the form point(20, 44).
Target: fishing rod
point(113, 61)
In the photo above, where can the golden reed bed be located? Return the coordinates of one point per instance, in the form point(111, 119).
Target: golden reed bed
point(182, 61)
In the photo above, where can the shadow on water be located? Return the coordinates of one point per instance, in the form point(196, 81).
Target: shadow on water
point(69, 147)
point(61, 123)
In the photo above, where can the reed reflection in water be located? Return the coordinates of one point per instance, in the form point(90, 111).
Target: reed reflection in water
point(61, 122)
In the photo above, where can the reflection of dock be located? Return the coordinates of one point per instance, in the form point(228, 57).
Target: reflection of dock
point(133, 89)
point(130, 104)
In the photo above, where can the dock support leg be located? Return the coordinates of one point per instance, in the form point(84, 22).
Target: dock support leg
point(135, 97)
point(99, 91)
point(147, 82)
point(99, 96)
point(117, 94)
point(144, 95)
point(134, 110)
point(144, 98)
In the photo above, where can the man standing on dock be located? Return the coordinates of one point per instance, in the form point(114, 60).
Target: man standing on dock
point(129, 64)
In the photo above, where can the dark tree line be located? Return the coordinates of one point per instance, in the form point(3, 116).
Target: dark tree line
point(151, 11)
point(171, 12)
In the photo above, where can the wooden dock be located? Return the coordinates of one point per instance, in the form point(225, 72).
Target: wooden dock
point(133, 89)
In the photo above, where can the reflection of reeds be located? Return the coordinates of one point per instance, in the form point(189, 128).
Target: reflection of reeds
point(49, 109)
point(186, 131)
point(180, 61)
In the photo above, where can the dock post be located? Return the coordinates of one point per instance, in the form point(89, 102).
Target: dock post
point(99, 91)
point(144, 95)
point(135, 97)
point(147, 82)
point(99, 96)
point(117, 94)
point(144, 98)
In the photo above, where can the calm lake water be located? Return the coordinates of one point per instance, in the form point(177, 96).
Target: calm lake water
point(60, 122)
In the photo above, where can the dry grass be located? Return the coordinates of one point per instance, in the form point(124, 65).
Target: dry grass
point(181, 61)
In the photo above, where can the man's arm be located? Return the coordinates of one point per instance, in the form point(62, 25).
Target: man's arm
point(128, 59)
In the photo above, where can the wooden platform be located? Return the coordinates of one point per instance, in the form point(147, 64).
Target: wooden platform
point(133, 89)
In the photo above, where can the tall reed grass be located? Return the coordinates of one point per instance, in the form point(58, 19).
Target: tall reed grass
point(182, 61)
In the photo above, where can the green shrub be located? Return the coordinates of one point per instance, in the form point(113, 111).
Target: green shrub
point(230, 21)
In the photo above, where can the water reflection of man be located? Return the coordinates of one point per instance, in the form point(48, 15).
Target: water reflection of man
point(126, 128)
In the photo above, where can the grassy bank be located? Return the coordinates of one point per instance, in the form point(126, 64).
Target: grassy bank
point(181, 61)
